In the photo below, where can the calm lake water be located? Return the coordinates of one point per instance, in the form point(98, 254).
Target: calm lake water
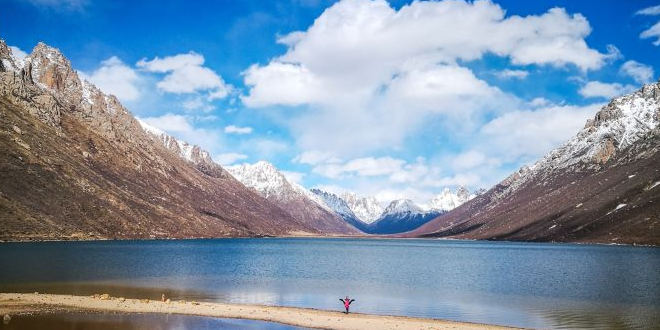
point(558, 286)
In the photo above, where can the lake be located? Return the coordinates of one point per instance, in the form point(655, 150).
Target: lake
point(557, 286)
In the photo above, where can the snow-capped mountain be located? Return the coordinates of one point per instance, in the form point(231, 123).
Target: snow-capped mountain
point(339, 206)
point(402, 206)
point(447, 201)
point(270, 183)
point(367, 209)
point(600, 186)
point(402, 215)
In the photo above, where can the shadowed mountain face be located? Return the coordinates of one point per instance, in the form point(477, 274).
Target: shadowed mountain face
point(77, 164)
point(601, 186)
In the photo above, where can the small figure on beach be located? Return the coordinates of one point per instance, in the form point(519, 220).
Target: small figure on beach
point(162, 298)
point(347, 302)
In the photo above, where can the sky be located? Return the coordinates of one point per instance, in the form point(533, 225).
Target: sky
point(392, 99)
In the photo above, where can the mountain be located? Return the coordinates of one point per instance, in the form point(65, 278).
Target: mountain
point(304, 205)
point(400, 216)
point(603, 186)
point(367, 209)
point(77, 165)
point(340, 207)
point(447, 201)
point(193, 154)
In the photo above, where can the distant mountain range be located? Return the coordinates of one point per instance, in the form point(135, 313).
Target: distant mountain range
point(601, 186)
point(77, 165)
point(349, 211)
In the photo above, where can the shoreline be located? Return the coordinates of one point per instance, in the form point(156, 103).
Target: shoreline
point(17, 303)
point(82, 239)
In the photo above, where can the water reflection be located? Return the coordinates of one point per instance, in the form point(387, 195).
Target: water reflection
point(529, 285)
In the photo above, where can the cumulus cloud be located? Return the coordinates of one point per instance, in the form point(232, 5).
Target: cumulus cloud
point(117, 78)
point(372, 75)
point(641, 73)
point(604, 90)
point(233, 129)
point(185, 73)
point(229, 158)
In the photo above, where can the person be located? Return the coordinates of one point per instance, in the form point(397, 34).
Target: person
point(347, 302)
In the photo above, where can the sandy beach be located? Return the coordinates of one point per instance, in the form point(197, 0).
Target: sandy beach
point(15, 303)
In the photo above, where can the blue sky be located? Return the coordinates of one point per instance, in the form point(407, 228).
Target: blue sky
point(391, 99)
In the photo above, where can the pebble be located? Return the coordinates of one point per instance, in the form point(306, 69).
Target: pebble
point(6, 319)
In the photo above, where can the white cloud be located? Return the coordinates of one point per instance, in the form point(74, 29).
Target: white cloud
point(314, 157)
point(641, 73)
point(117, 78)
point(372, 75)
point(229, 158)
point(171, 63)
point(651, 11)
point(296, 177)
point(197, 103)
point(468, 160)
point(170, 123)
point(17, 52)
point(517, 74)
point(182, 128)
point(185, 73)
point(530, 134)
point(367, 166)
point(605, 90)
point(652, 32)
point(232, 129)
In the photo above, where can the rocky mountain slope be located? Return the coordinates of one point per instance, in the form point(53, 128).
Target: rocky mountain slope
point(304, 205)
point(601, 186)
point(76, 164)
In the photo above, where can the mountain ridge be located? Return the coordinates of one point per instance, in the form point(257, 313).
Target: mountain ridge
point(598, 187)
point(78, 165)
